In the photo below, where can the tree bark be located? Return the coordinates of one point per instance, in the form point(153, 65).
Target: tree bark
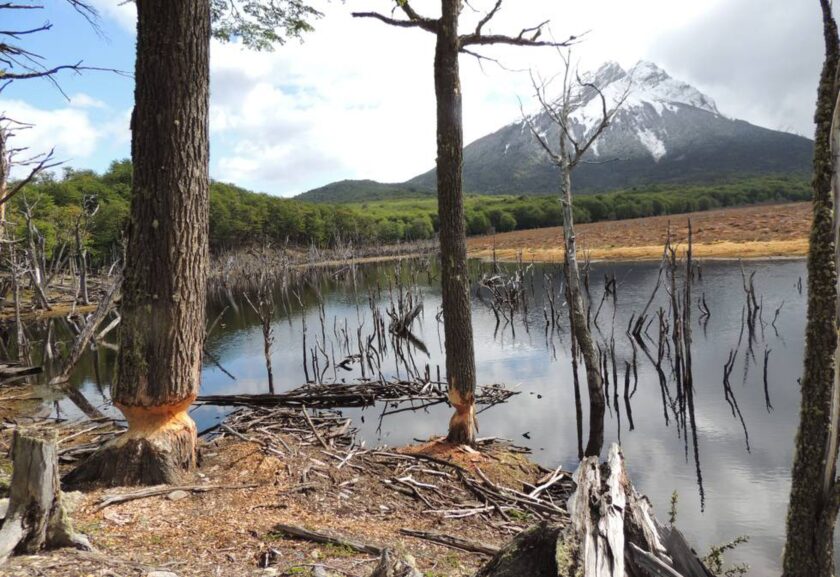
point(814, 496)
point(611, 532)
point(455, 282)
point(164, 291)
point(36, 518)
point(583, 336)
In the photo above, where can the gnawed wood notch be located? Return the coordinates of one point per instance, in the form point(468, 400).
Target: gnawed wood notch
point(36, 518)
point(612, 533)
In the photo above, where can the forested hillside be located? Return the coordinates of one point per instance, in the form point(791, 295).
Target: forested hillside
point(239, 217)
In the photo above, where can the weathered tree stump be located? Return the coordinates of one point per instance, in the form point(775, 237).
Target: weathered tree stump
point(611, 533)
point(36, 518)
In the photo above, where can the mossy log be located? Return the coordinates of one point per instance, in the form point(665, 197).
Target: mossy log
point(36, 518)
point(611, 533)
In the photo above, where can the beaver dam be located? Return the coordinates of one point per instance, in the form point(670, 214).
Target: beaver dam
point(335, 334)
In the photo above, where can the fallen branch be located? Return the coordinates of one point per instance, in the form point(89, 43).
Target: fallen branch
point(165, 490)
point(452, 541)
point(315, 537)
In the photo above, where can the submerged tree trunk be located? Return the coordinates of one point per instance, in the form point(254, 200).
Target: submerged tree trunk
point(455, 282)
point(163, 303)
point(583, 336)
point(814, 492)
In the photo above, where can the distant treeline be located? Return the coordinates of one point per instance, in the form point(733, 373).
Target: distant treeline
point(239, 217)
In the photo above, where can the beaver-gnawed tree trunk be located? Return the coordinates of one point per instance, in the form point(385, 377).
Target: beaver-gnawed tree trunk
point(814, 492)
point(163, 303)
point(455, 280)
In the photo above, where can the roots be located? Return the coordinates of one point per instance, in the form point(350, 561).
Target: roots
point(158, 448)
point(463, 424)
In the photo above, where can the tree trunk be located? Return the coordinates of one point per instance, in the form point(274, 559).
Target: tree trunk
point(455, 282)
point(814, 496)
point(36, 518)
point(164, 291)
point(611, 532)
point(583, 336)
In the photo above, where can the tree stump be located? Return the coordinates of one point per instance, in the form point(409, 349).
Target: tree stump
point(36, 518)
point(611, 533)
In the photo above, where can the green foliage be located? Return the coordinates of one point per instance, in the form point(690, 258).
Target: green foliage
point(672, 513)
point(715, 561)
point(240, 218)
point(261, 24)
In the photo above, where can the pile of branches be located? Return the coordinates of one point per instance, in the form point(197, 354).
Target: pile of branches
point(363, 393)
point(436, 486)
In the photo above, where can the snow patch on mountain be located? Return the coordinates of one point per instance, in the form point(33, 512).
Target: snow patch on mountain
point(651, 141)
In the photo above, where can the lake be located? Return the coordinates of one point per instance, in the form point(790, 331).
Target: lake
point(734, 480)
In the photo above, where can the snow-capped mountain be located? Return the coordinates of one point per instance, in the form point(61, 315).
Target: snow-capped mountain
point(665, 131)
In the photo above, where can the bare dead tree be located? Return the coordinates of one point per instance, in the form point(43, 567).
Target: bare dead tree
point(460, 354)
point(567, 153)
point(264, 308)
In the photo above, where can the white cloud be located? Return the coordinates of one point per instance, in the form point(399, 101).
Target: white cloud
point(74, 135)
point(82, 100)
point(69, 130)
point(123, 13)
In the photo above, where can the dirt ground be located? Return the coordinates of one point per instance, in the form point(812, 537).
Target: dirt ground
point(748, 232)
point(231, 532)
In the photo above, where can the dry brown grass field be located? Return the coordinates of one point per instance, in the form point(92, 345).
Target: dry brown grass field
point(747, 232)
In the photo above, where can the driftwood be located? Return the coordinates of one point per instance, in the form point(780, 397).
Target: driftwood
point(359, 394)
point(316, 537)
point(11, 371)
point(36, 518)
point(611, 533)
point(88, 332)
point(452, 541)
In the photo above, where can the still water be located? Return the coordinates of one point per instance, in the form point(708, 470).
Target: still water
point(735, 483)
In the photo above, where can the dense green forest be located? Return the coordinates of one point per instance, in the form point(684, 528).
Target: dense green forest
point(239, 217)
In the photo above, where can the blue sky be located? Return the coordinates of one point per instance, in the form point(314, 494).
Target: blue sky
point(355, 100)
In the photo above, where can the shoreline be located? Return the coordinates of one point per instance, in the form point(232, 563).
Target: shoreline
point(726, 251)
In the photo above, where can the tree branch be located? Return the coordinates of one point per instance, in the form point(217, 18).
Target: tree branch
point(414, 19)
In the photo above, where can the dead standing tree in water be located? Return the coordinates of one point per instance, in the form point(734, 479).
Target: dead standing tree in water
point(264, 308)
point(460, 354)
point(567, 154)
point(815, 492)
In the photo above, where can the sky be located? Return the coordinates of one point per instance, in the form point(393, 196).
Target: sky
point(355, 99)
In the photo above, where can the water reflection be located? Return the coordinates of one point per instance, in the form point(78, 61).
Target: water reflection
point(723, 440)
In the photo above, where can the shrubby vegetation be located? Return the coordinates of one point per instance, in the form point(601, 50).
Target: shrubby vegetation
point(239, 217)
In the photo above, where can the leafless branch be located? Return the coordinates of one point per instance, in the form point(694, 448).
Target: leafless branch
point(487, 17)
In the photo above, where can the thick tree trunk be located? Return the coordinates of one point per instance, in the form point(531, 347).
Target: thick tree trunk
point(36, 518)
point(583, 336)
point(455, 282)
point(163, 303)
point(814, 495)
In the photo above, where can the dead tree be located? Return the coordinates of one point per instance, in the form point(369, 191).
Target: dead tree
point(264, 309)
point(567, 153)
point(460, 354)
point(815, 492)
point(612, 532)
point(36, 518)
point(90, 207)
